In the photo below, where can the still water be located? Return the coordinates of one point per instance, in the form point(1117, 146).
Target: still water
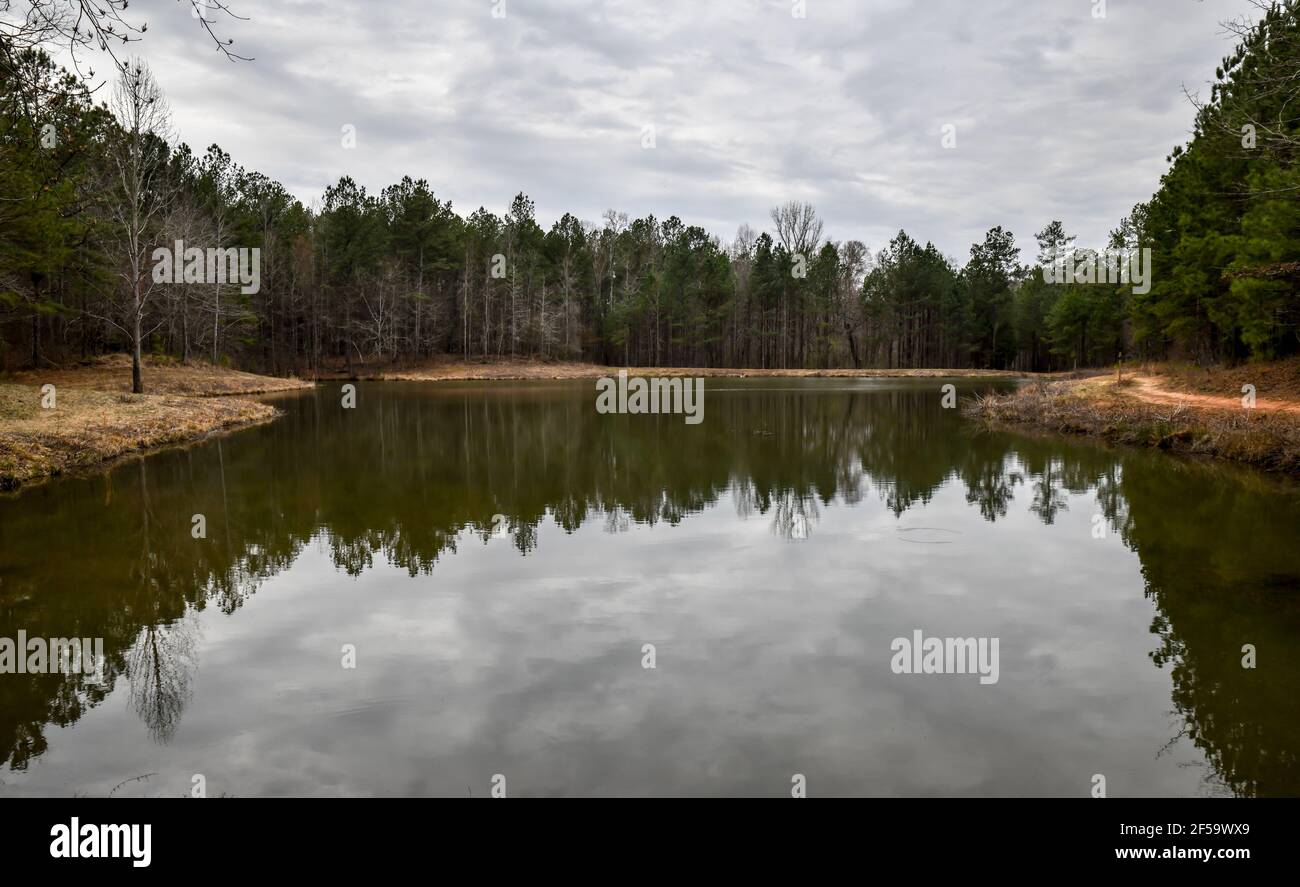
point(499, 556)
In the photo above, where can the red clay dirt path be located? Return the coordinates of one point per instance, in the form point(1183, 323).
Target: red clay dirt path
point(1150, 389)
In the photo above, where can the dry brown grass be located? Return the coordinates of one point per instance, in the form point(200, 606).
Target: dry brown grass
point(90, 427)
point(1278, 380)
point(1136, 414)
point(96, 419)
point(161, 376)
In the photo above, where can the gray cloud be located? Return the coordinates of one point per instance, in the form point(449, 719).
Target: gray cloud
point(1058, 114)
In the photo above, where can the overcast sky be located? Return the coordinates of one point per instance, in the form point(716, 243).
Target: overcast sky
point(1058, 114)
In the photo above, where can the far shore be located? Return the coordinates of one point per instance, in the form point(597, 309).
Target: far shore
point(510, 370)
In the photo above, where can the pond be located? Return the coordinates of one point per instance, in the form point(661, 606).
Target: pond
point(456, 587)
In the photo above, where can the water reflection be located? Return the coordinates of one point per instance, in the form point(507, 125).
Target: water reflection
point(416, 473)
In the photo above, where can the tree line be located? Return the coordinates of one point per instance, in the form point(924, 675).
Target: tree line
point(89, 191)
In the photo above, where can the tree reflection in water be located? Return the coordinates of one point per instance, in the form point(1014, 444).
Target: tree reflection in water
point(422, 470)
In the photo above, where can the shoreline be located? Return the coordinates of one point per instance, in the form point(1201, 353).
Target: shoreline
point(91, 430)
point(93, 421)
point(98, 422)
point(517, 371)
point(1141, 411)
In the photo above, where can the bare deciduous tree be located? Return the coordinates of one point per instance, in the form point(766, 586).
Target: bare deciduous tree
point(797, 227)
point(141, 196)
point(74, 26)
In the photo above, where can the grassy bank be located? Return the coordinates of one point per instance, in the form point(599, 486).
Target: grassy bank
point(161, 376)
point(95, 418)
point(1162, 408)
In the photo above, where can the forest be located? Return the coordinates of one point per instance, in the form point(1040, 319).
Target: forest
point(93, 182)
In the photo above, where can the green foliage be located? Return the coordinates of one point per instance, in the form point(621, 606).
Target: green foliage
point(1225, 222)
point(402, 275)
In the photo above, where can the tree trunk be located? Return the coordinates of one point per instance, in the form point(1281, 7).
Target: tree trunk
point(137, 383)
